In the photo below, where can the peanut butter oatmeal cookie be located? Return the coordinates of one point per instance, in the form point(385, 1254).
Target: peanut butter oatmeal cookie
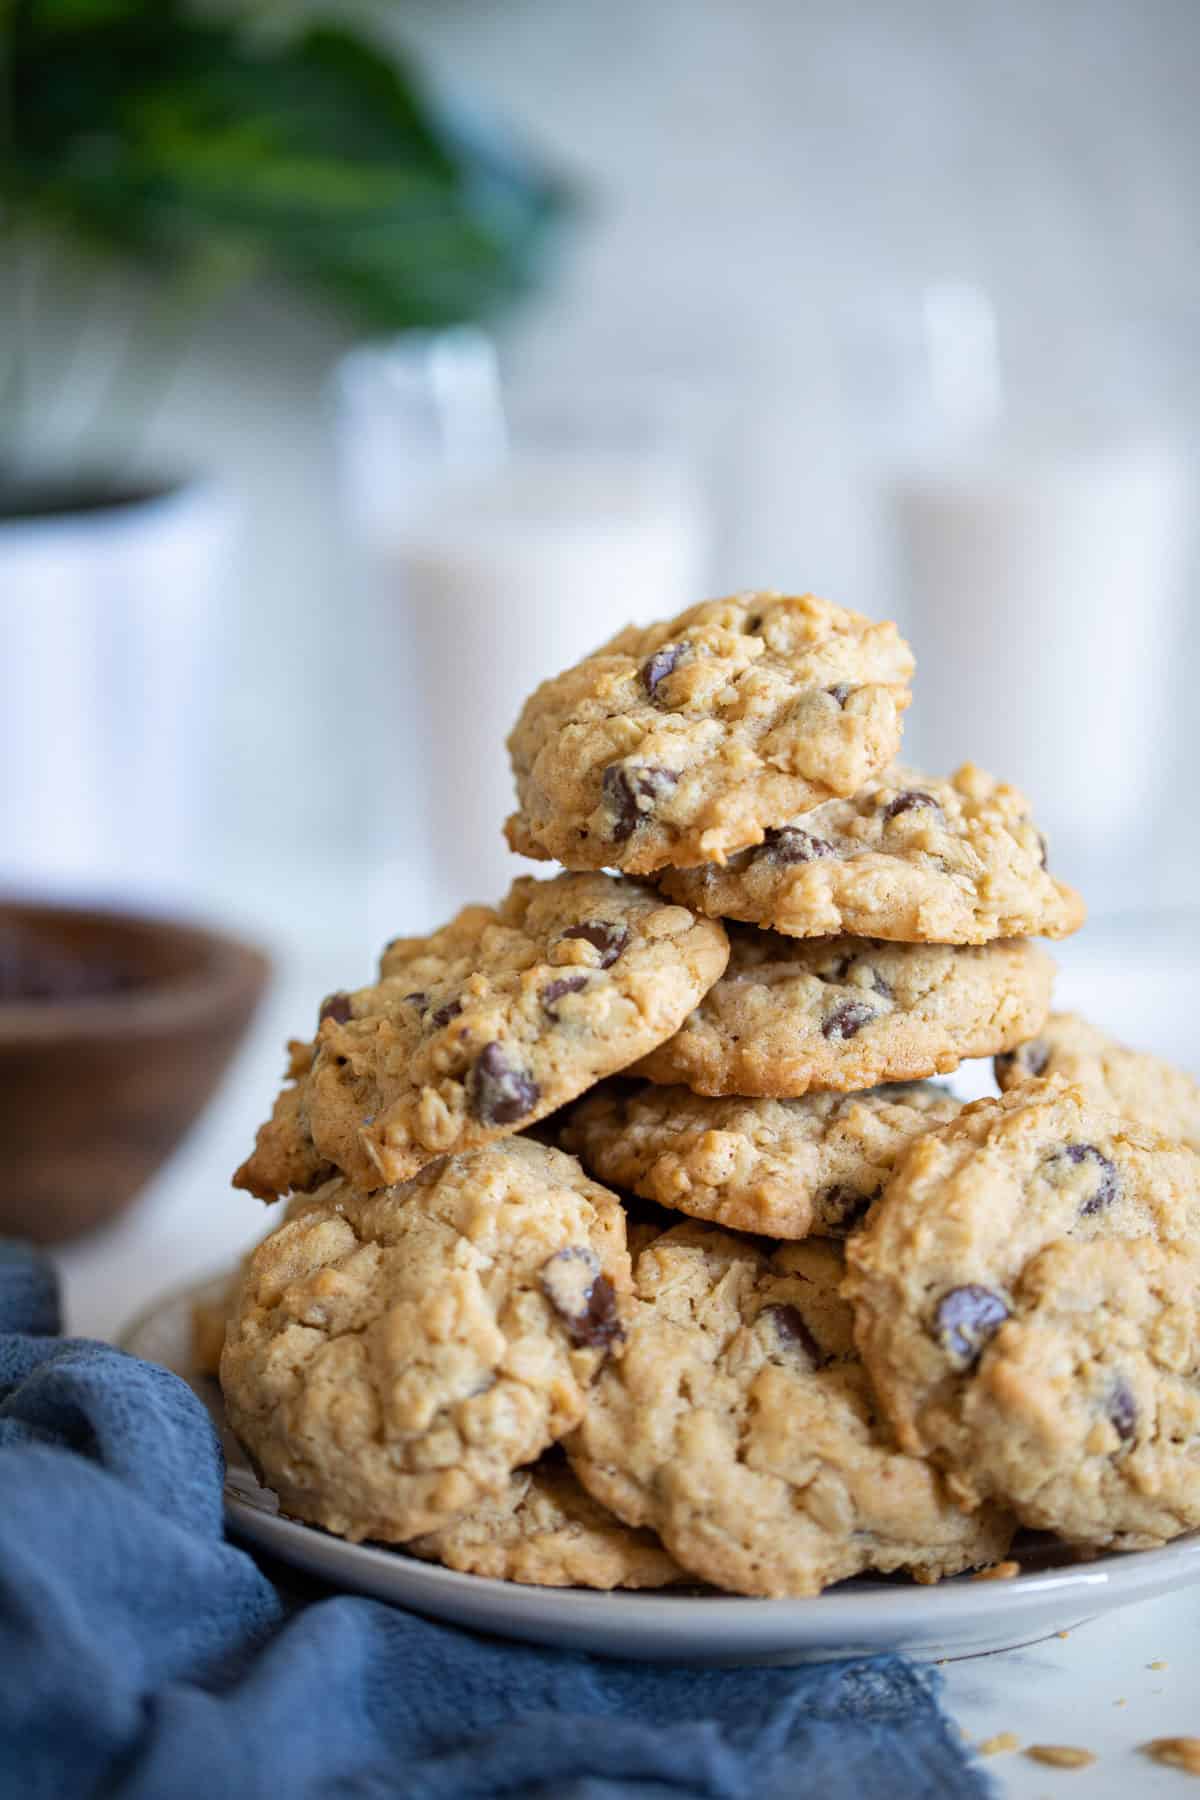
point(392, 1358)
point(740, 1425)
point(682, 742)
point(1027, 1301)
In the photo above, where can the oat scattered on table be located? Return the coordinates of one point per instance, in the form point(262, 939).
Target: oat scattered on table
point(999, 1744)
point(1061, 1756)
point(1177, 1752)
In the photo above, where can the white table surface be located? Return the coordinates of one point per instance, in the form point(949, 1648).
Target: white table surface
point(1138, 978)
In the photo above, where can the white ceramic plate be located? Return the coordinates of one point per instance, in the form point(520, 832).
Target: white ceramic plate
point(956, 1618)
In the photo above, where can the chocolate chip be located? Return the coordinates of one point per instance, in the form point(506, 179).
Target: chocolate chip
point(882, 986)
point(908, 801)
point(966, 1318)
point(554, 990)
point(337, 1008)
point(840, 693)
point(1121, 1408)
point(609, 940)
point(631, 790)
point(847, 1020)
point(584, 1298)
point(444, 1013)
point(660, 665)
point(1108, 1182)
point(843, 1208)
point(790, 845)
point(1029, 1059)
point(753, 624)
point(498, 1091)
point(417, 999)
point(602, 1323)
point(1045, 849)
point(792, 1333)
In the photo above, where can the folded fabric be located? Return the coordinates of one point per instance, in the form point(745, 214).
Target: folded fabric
point(145, 1657)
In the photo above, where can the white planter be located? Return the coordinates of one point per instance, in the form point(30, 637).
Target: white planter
point(109, 726)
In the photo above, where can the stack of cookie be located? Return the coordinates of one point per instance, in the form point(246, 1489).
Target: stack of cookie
point(628, 1242)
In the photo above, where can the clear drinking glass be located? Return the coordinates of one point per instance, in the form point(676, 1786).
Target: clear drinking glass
point(1038, 480)
point(505, 525)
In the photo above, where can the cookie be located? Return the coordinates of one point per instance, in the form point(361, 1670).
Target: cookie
point(682, 742)
point(1025, 1296)
point(782, 1168)
point(544, 1529)
point(284, 1159)
point(392, 1358)
point(739, 1424)
point(1133, 1083)
point(849, 1013)
point(908, 857)
point(483, 1027)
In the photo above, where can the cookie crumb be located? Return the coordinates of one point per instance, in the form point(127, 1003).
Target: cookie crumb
point(1001, 1571)
point(1062, 1634)
point(1061, 1756)
point(1177, 1752)
point(996, 1746)
point(1158, 1665)
point(1120, 1703)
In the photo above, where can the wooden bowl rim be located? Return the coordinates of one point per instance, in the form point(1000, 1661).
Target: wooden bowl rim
point(229, 973)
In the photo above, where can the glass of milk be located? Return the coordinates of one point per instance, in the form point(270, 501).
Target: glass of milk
point(504, 526)
point(1040, 497)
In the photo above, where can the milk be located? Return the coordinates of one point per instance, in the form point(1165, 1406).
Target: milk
point(498, 582)
point(1044, 598)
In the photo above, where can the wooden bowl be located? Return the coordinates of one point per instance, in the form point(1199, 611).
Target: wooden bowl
point(100, 1081)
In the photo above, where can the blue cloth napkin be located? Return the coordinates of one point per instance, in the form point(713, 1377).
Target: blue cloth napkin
point(143, 1657)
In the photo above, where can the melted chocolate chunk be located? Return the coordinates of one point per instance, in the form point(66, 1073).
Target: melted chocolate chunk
point(882, 987)
point(844, 1208)
point(1108, 1182)
point(1030, 1059)
point(790, 845)
point(498, 1092)
point(584, 1299)
point(966, 1318)
point(792, 1333)
point(608, 939)
point(841, 693)
point(631, 791)
point(444, 1013)
point(847, 1020)
point(337, 1008)
point(908, 801)
point(660, 665)
point(1045, 850)
point(1121, 1408)
point(417, 999)
point(753, 624)
point(554, 990)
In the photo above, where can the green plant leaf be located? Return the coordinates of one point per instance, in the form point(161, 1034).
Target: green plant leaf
point(169, 140)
